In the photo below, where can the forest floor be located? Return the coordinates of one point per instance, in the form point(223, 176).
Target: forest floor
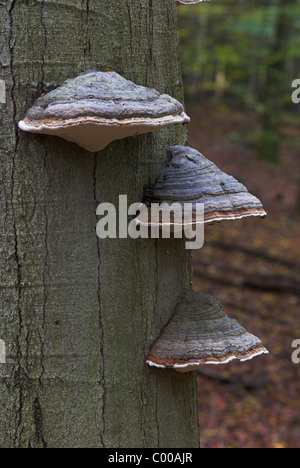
point(253, 267)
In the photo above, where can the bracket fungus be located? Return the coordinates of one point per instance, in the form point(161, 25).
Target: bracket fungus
point(201, 333)
point(190, 180)
point(189, 2)
point(97, 108)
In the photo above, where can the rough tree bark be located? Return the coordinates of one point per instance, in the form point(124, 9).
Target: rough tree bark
point(78, 314)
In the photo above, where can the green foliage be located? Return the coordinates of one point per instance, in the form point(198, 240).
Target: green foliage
point(227, 48)
point(244, 54)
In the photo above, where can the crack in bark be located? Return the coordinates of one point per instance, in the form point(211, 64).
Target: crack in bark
point(45, 292)
point(156, 415)
point(156, 280)
point(155, 310)
point(43, 24)
point(11, 49)
point(150, 63)
point(39, 424)
point(130, 29)
point(87, 39)
point(20, 373)
point(101, 331)
point(143, 431)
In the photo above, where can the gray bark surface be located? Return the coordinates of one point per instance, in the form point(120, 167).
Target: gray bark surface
point(78, 314)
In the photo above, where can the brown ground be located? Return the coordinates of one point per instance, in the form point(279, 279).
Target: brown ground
point(253, 267)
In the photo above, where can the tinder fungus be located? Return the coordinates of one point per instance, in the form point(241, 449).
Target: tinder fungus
point(97, 108)
point(188, 2)
point(200, 333)
point(189, 180)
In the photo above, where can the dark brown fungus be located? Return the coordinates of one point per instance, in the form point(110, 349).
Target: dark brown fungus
point(97, 108)
point(190, 180)
point(200, 333)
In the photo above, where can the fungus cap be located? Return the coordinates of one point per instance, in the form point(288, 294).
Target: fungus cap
point(189, 2)
point(191, 179)
point(201, 333)
point(99, 107)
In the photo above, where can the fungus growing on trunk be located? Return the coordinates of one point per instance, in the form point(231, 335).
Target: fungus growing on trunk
point(200, 333)
point(189, 2)
point(97, 108)
point(189, 180)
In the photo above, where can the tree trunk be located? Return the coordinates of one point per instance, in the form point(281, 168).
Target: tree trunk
point(78, 314)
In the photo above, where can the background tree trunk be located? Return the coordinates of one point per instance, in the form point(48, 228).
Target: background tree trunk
point(276, 84)
point(78, 315)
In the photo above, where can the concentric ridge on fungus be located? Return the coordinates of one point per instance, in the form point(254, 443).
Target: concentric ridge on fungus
point(200, 333)
point(191, 179)
point(98, 107)
point(188, 2)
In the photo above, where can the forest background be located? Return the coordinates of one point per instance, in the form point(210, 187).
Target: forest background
point(239, 61)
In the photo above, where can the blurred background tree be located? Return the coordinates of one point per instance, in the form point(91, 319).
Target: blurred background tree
point(244, 55)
